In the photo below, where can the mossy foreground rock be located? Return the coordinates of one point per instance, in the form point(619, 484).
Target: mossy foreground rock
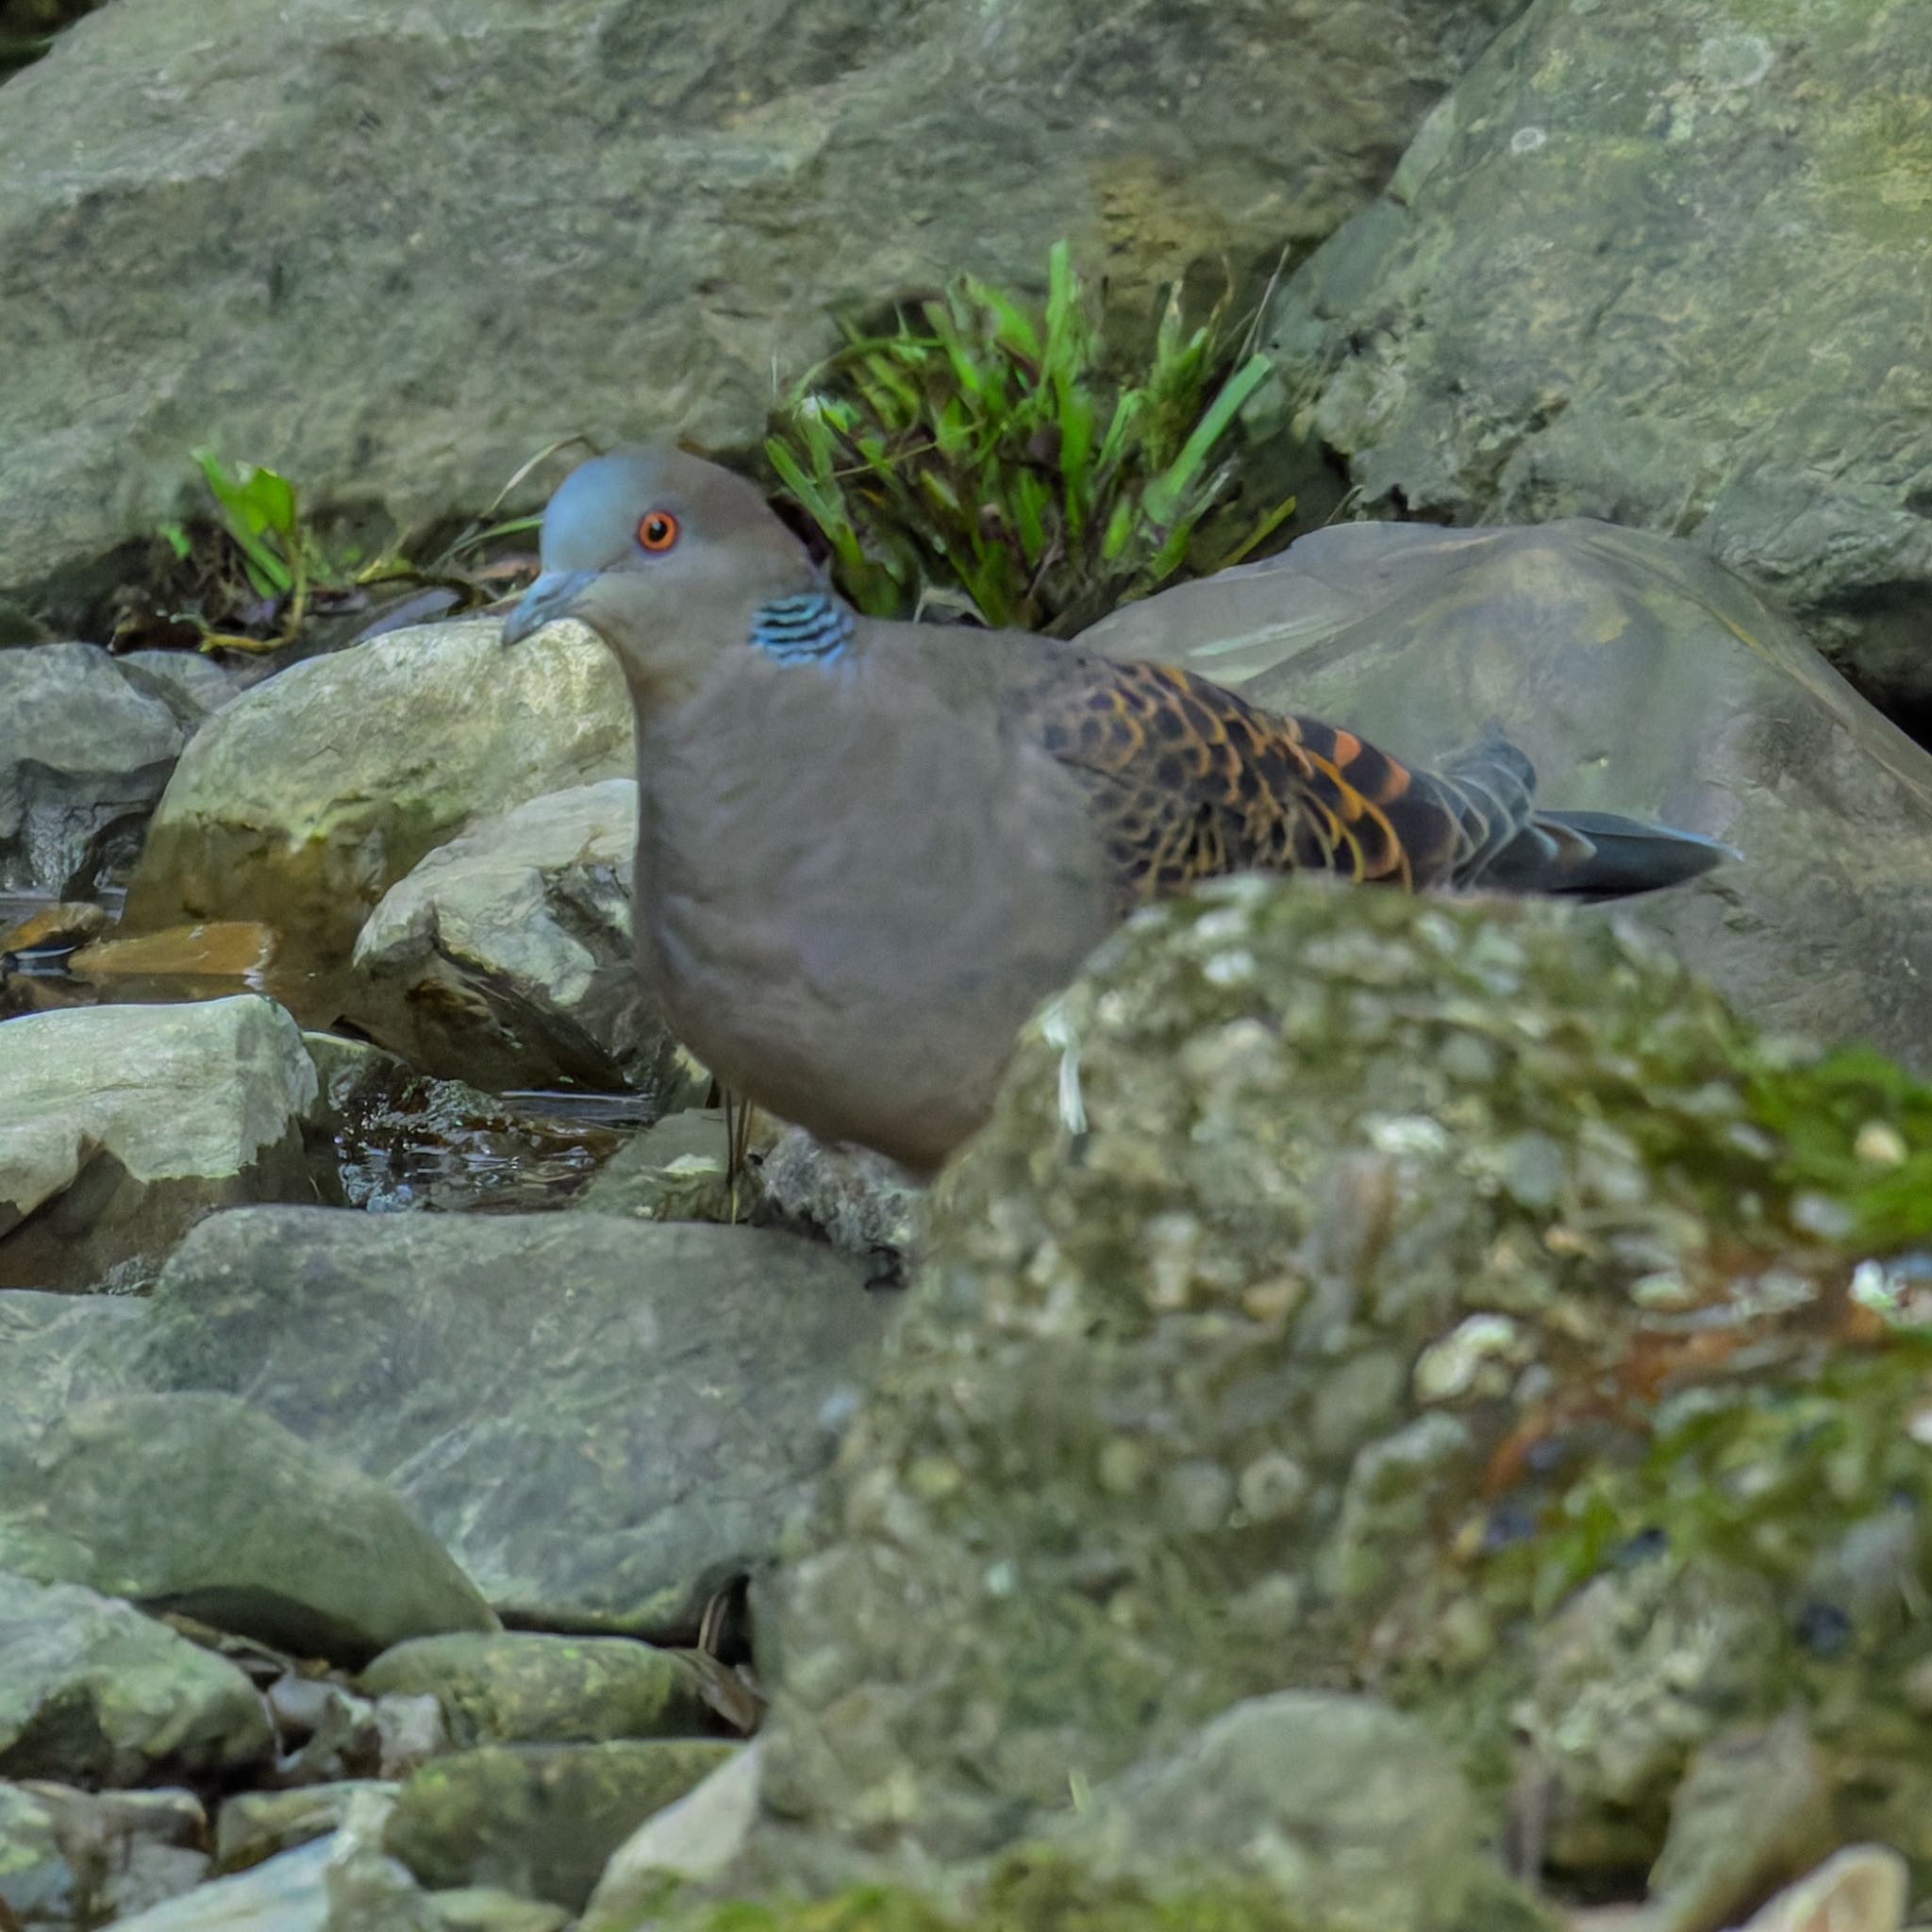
point(1416, 1261)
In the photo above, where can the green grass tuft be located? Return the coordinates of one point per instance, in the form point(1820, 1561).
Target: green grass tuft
point(979, 452)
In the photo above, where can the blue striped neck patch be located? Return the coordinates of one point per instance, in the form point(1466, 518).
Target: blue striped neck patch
point(808, 626)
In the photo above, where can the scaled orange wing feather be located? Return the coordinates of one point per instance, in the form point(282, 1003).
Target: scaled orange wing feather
point(1190, 781)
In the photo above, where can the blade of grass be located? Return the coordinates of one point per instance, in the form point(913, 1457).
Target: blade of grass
point(1163, 494)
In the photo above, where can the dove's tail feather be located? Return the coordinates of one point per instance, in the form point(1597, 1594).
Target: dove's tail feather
point(1599, 855)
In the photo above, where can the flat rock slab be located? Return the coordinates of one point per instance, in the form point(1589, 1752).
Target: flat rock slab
point(121, 1125)
point(85, 750)
point(604, 1419)
point(92, 1692)
point(1640, 677)
point(200, 1503)
point(1663, 263)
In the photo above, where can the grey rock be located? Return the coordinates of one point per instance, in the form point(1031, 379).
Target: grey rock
point(1666, 265)
point(58, 1351)
point(1349, 1813)
point(742, 178)
point(92, 1691)
point(70, 1859)
point(1640, 677)
point(529, 1686)
point(485, 1908)
point(201, 1504)
point(678, 1169)
point(286, 1894)
point(84, 754)
point(343, 1883)
point(538, 1819)
point(122, 1125)
point(328, 1736)
point(605, 1420)
point(1754, 1812)
point(194, 686)
point(506, 954)
point(255, 1825)
point(696, 1839)
point(304, 801)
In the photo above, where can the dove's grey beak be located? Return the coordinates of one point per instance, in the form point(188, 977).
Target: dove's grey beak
point(550, 597)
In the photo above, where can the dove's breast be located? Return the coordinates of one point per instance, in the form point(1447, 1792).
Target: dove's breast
point(848, 901)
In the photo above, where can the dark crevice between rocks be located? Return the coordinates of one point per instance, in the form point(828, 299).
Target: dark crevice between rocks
point(29, 27)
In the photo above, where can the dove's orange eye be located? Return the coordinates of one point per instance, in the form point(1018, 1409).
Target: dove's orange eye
point(658, 530)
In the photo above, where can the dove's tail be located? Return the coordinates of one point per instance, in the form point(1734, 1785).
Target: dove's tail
point(1600, 855)
point(1506, 842)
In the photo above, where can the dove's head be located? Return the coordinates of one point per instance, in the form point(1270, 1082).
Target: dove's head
point(667, 557)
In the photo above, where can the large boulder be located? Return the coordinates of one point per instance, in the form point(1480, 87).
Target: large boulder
point(1640, 677)
point(1665, 263)
point(654, 201)
point(119, 1127)
point(606, 1421)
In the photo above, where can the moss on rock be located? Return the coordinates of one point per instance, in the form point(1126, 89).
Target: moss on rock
point(1343, 1280)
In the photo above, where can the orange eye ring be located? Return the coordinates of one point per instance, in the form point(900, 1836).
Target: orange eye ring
point(657, 530)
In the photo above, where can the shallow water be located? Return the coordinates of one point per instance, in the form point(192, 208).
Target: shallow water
point(408, 1144)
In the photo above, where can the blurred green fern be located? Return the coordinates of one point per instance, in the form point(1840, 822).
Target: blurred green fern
point(976, 449)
